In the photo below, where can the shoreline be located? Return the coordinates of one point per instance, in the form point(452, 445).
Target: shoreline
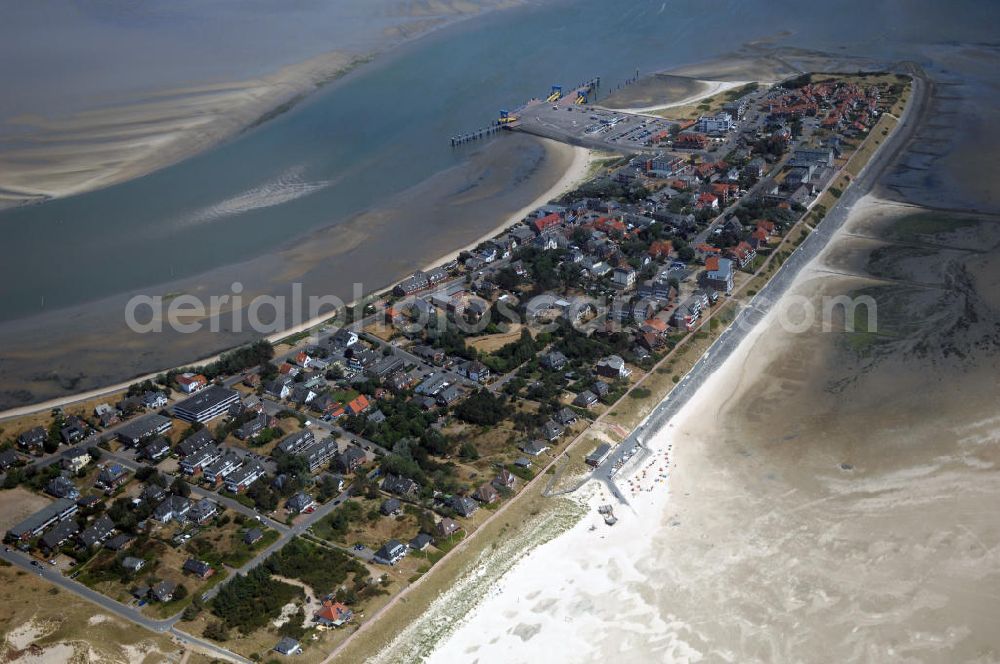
point(101, 147)
point(575, 173)
point(713, 88)
point(138, 138)
point(796, 268)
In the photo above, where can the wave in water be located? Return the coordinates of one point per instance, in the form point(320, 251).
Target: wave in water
point(287, 187)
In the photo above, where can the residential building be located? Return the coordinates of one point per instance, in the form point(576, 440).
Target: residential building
point(132, 565)
point(390, 553)
point(384, 367)
point(553, 360)
point(295, 442)
point(504, 480)
point(448, 395)
point(401, 486)
point(358, 405)
point(33, 440)
point(350, 459)
point(62, 487)
point(475, 371)
point(75, 460)
point(74, 430)
point(447, 527)
point(552, 430)
point(565, 417)
point(190, 382)
point(196, 462)
point(463, 506)
point(59, 509)
point(288, 646)
point(300, 502)
point(173, 508)
point(119, 542)
point(719, 123)
point(195, 442)
point(244, 477)
point(623, 278)
point(253, 427)
point(585, 399)
point(144, 428)
point(743, 254)
point(719, 274)
point(208, 404)
point(487, 494)
point(533, 447)
point(599, 454)
point(613, 366)
point(111, 477)
point(97, 532)
point(58, 534)
point(153, 400)
point(203, 510)
point(163, 591)
point(319, 453)
point(344, 338)
point(152, 494)
point(415, 282)
point(219, 470)
point(390, 507)
point(8, 459)
point(198, 568)
point(333, 614)
point(820, 158)
point(155, 450)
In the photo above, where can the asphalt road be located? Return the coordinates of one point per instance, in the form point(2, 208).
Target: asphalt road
point(769, 295)
point(53, 576)
point(718, 352)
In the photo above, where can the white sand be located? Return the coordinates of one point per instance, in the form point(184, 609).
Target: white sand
point(575, 174)
point(544, 607)
point(560, 601)
point(713, 88)
point(24, 635)
point(766, 547)
point(89, 150)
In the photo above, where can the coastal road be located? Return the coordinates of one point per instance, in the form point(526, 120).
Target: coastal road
point(770, 294)
point(164, 625)
point(200, 491)
point(286, 535)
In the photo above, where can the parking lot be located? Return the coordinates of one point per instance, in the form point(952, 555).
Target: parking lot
point(593, 127)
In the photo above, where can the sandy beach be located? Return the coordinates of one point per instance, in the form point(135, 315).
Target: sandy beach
point(93, 149)
point(797, 521)
point(51, 150)
point(709, 89)
point(820, 493)
point(576, 173)
point(495, 178)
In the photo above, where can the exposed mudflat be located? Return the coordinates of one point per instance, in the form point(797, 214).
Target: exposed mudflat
point(832, 486)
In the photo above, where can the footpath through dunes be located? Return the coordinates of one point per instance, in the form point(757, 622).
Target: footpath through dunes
point(520, 634)
point(828, 485)
point(801, 510)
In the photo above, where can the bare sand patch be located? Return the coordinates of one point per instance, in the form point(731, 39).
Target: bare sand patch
point(59, 156)
point(18, 504)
